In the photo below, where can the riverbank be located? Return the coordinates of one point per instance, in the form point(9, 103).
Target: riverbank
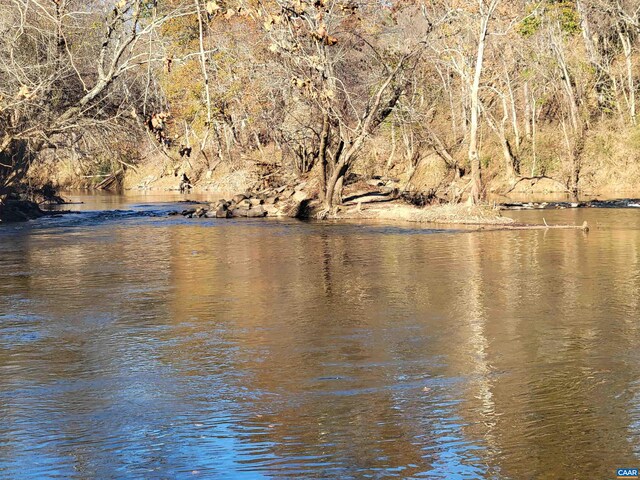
point(475, 217)
point(444, 214)
point(607, 172)
point(296, 202)
point(481, 217)
point(300, 201)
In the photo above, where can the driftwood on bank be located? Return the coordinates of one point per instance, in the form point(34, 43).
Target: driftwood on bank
point(525, 226)
point(369, 197)
point(560, 205)
point(111, 182)
point(470, 217)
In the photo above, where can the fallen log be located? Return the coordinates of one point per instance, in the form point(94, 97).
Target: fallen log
point(526, 226)
point(111, 181)
point(473, 218)
point(369, 197)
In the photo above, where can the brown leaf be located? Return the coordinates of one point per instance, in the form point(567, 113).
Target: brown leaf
point(329, 40)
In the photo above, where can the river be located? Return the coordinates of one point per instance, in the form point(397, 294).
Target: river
point(136, 345)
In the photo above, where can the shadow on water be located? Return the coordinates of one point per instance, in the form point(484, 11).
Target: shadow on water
point(137, 345)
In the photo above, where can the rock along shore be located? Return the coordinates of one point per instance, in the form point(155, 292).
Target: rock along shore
point(296, 203)
point(280, 202)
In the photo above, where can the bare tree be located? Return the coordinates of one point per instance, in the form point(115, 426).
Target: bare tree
point(51, 85)
point(486, 10)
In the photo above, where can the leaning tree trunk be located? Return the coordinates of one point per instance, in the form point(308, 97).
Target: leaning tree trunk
point(441, 150)
point(335, 184)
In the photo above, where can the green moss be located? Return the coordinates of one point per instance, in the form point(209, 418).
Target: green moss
point(563, 11)
point(530, 25)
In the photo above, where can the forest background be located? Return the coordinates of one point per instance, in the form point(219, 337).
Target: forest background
point(444, 98)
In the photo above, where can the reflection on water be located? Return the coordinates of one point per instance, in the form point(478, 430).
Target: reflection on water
point(136, 345)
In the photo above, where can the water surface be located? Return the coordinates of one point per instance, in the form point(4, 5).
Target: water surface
point(135, 345)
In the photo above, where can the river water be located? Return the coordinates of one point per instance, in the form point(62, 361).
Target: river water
point(136, 345)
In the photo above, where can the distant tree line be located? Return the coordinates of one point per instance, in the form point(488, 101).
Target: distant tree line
point(481, 84)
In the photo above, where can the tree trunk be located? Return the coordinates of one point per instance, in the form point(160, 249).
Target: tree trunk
point(576, 122)
point(576, 165)
point(375, 113)
point(510, 163)
point(474, 156)
point(509, 157)
point(322, 154)
point(203, 63)
point(441, 150)
point(603, 75)
point(337, 193)
point(514, 112)
point(334, 183)
point(528, 120)
point(587, 38)
point(626, 46)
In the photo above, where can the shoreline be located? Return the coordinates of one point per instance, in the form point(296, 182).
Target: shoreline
point(480, 217)
point(473, 218)
point(299, 205)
